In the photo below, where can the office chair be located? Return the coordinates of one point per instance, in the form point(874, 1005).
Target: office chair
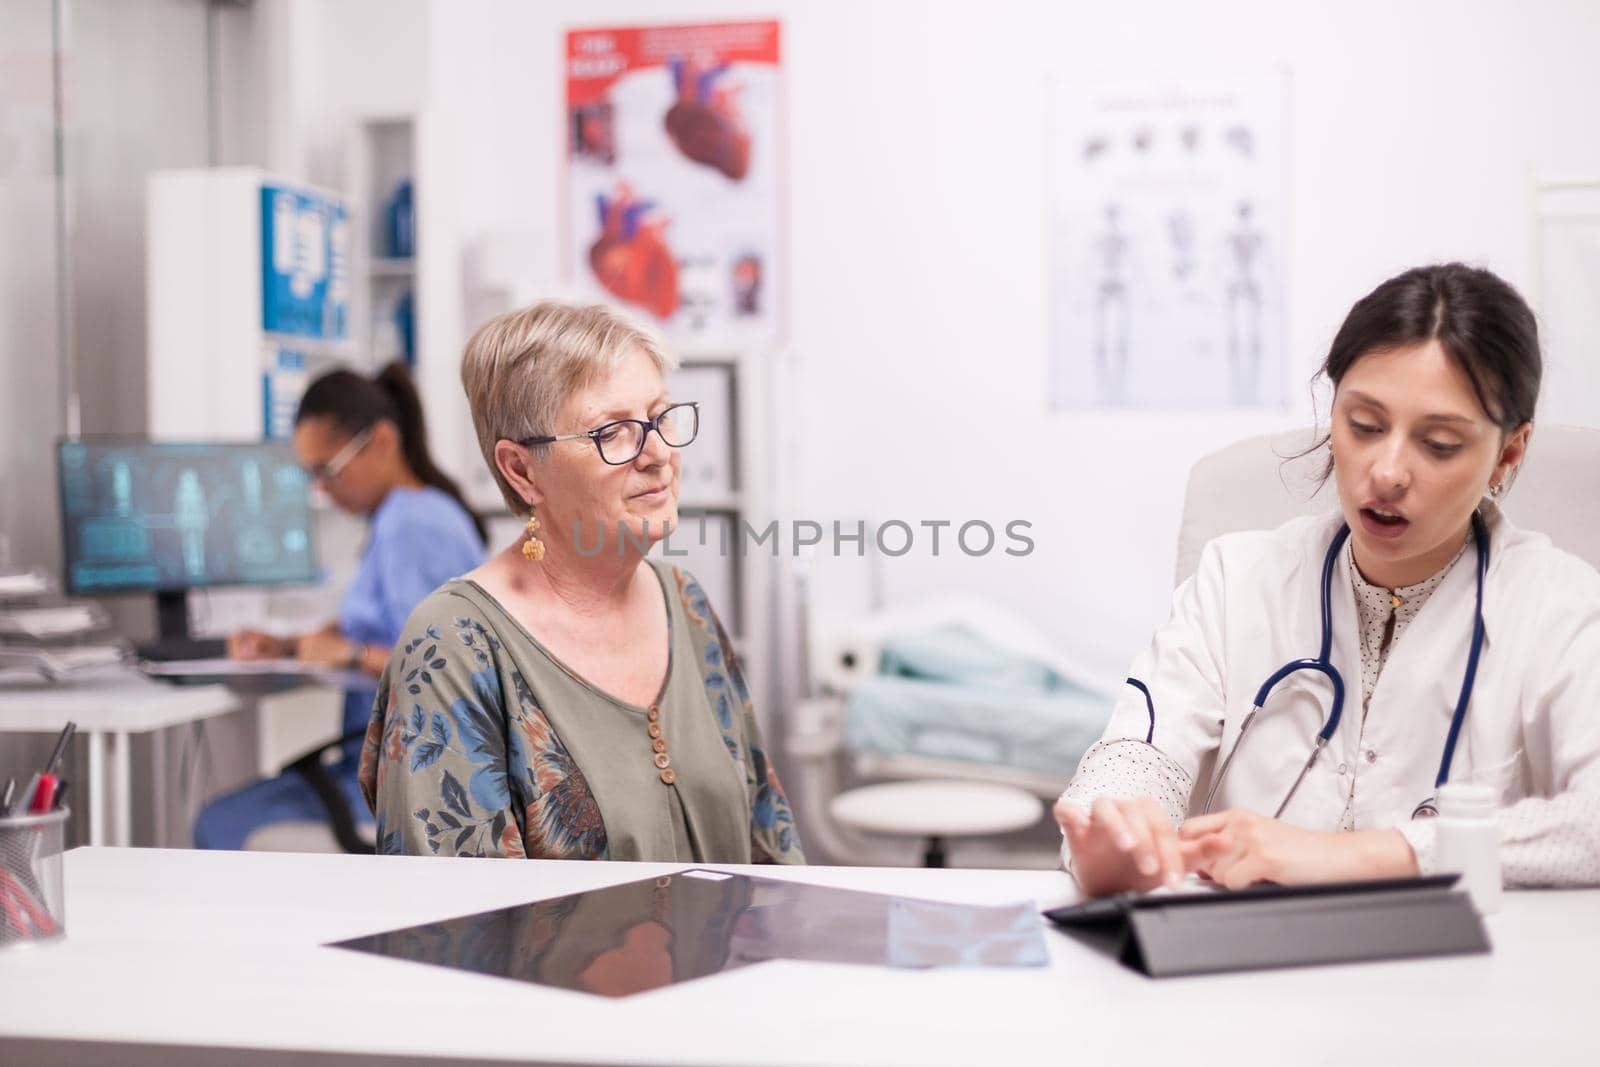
point(341, 820)
point(1249, 485)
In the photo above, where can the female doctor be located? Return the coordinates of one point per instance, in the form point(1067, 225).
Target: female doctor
point(1466, 650)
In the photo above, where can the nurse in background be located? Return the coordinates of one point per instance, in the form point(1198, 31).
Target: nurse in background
point(364, 443)
point(1435, 375)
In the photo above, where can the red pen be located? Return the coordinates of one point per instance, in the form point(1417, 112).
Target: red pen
point(44, 797)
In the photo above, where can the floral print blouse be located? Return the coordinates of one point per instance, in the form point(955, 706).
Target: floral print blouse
point(482, 744)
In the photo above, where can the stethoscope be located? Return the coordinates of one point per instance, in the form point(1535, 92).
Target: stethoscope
point(1323, 665)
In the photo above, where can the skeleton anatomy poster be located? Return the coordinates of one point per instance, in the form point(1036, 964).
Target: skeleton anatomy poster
point(1168, 213)
point(673, 178)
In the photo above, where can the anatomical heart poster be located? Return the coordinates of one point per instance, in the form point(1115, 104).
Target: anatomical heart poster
point(1168, 207)
point(674, 160)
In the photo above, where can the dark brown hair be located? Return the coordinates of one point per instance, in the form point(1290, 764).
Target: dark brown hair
point(1480, 321)
point(354, 403)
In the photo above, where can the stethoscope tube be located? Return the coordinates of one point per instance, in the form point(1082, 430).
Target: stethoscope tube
point(1471, 676)
point(1323, 665)
point(1150, 706)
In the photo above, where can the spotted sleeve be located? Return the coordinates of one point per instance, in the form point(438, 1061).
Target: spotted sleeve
point(1123, 768)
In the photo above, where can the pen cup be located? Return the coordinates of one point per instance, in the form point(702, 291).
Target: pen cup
point(32, 897)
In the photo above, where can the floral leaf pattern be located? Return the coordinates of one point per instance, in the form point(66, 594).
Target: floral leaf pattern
point(426, 755)
point(454, 796)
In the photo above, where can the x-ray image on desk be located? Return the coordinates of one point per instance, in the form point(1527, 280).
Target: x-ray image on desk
point(141, 516)
point(629, 938)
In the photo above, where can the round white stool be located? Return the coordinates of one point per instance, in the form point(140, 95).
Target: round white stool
point(935, 810)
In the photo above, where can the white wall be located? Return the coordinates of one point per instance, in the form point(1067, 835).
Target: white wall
point(30, 388)
point(917, 210)
point(322, 65)
point(137, 102)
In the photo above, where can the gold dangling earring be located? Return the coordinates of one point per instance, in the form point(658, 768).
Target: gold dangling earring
point(533, 548)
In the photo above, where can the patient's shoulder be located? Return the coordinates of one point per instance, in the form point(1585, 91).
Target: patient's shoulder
point(458, 614)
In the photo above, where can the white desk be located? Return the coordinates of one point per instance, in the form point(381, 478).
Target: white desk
point(112, 703)
point(174, 956)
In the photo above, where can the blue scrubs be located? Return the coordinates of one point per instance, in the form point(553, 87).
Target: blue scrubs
point(420, 538)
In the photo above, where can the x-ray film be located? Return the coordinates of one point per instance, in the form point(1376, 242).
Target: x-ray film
point(630, 938)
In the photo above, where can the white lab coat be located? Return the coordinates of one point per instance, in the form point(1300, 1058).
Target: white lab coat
point(1532, 729)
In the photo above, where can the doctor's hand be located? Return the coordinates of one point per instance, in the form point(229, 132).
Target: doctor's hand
point(254, 644)
point(1121, 845)
point(1240, 848)
point(327, 648)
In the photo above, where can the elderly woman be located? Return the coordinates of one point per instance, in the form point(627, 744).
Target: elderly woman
point(561, 702)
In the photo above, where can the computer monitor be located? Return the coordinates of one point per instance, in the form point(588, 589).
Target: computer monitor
point(166, 517)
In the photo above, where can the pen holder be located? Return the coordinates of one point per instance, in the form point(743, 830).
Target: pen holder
point(32, 900)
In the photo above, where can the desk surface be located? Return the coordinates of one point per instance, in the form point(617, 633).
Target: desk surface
point(222, 950)
point(114, 699)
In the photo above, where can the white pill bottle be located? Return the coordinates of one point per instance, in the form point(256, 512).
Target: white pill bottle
point(1468, 842)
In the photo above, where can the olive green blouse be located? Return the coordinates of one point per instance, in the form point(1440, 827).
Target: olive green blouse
point(484, 743)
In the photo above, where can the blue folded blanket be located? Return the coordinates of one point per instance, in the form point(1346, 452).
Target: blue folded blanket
point(946, 693)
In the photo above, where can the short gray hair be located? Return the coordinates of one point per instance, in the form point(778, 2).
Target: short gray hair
point(519, 368)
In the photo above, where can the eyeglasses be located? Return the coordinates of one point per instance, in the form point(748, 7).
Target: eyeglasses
point(620, 442)
point(327, 472)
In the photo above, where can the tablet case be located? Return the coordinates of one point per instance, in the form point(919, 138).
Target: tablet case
point(1263, 927)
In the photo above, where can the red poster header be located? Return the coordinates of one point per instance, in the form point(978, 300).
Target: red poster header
point(598, 57)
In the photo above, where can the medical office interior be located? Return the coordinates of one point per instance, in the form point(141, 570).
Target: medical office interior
point(964, 292)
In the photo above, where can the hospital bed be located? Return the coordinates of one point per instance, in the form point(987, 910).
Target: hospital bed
point(940, 692)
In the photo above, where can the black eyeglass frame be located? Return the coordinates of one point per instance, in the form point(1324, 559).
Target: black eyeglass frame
point(648, 424)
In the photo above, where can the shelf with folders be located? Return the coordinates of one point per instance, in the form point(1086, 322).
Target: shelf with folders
point(393, 267)
point(382, 176)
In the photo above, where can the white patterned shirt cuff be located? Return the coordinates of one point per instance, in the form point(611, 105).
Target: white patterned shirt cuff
point(1421, 834)
point(1123, 768)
